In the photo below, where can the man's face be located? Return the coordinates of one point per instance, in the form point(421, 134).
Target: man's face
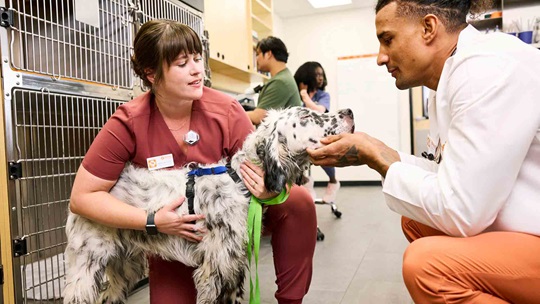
point(262, 61)
point(402, 48)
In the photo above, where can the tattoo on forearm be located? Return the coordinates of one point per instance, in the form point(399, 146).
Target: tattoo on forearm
point(350, 158)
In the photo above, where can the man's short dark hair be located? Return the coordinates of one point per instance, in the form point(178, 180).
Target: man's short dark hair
point(453, 13)
point(274, 44)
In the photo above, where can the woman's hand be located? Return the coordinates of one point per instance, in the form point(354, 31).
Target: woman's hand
point(253, 177)
point(305, 96)
point(169, 222)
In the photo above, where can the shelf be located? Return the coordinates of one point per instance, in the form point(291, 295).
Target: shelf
point(260, 26)
point(490, 23)
point(258, 77)
point(217, 66)
point(259, 8)
point(519, 2)
point(267, 3)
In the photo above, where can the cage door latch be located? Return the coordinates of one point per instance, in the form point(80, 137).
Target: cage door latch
point(6, 17)
point(15, 170)
point(19, 247)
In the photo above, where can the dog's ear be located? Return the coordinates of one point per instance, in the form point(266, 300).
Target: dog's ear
point(275, 176)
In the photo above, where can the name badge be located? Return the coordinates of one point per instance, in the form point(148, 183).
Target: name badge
point(160, 162)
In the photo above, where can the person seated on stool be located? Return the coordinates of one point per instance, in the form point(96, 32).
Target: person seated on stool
point(311, 81)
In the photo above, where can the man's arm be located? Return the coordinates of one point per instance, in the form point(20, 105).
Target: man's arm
point(257, 115)
point(354, 150)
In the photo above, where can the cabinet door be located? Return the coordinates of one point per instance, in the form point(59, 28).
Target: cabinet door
point(226, 22)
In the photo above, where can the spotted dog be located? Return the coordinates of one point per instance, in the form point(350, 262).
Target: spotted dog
point(94, 251)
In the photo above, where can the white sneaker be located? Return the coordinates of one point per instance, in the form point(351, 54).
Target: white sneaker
point(331, 192)
point(310, 187)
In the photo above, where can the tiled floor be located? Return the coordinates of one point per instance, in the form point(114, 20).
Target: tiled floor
point(359, 260)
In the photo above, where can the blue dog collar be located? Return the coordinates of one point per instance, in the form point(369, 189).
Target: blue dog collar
point(208, 171)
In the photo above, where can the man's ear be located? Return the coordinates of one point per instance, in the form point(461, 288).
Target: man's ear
point(431, 24)
point(150, 75)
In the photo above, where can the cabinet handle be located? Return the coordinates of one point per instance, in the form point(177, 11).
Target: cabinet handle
point(218, 55)
point(249, 67)
point(222, 56)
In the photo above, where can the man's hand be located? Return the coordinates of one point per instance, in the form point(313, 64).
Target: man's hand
point(354, 150)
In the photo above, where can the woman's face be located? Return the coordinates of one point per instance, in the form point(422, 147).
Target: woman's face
point(320, 77)
point(184, 78)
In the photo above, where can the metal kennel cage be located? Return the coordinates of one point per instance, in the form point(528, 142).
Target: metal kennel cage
point(62, 78)
point(46, 37)
point(51, 133)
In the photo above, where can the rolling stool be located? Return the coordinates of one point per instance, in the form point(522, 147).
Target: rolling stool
point(333, 209)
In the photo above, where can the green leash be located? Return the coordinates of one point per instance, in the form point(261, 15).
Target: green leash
point(254, 241)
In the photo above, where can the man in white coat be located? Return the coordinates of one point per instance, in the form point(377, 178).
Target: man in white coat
point(472, 206)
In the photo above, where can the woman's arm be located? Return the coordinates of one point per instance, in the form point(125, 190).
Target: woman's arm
point(310, 104)
point(90, 198)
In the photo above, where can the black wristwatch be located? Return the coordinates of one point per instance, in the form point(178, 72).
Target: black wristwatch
point(151, 228)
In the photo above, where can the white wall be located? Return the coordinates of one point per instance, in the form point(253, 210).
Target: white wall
point(324, 38)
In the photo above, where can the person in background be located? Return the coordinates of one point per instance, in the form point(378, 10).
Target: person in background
point(311, 81)
point(167, 57)
point(280, 91)
point(471, 208)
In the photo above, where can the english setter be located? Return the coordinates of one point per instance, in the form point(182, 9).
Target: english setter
point(93, 250)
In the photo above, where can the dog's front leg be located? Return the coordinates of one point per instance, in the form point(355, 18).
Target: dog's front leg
point(220, 277)
point(123, 272)
point(88, 251)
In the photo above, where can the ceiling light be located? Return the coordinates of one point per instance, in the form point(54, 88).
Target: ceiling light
point(328, 3)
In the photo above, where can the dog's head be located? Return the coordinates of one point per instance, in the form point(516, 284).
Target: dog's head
point(279, 144)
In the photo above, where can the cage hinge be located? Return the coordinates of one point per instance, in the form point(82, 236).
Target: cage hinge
point(6, 17)
point(15, 170)
point(19, 247)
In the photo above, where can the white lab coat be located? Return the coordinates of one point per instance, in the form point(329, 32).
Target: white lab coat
point(486, 114)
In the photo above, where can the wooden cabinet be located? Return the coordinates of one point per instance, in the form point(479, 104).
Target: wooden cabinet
point(261, 18)
point(261, 26)
point(232, 26)
point(227, 29)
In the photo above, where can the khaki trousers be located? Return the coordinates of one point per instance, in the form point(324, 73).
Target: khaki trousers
point(492, 267)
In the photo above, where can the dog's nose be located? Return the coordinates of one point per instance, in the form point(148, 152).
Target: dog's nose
point(347, 112)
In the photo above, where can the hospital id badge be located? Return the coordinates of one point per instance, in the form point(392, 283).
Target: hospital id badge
point(160, 162)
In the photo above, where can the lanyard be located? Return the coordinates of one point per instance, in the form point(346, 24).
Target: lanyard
point(254, 238)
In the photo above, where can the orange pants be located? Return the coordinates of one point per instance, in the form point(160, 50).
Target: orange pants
point(492, 267)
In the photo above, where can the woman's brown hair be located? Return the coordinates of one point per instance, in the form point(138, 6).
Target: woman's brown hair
point(159, 41)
